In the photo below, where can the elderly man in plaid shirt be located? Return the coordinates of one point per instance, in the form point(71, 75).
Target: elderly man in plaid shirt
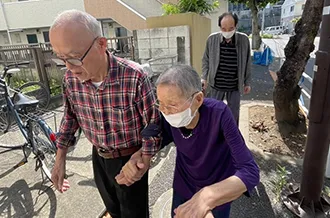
point(112, 101)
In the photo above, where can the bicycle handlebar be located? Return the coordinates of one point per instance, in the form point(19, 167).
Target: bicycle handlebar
point(17, 64)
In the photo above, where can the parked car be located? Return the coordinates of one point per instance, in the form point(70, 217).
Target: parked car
point(274, 30)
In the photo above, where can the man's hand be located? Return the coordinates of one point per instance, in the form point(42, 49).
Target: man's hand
point(247, 89)
point(196, 207)
point(58, 172)
point(134, 169)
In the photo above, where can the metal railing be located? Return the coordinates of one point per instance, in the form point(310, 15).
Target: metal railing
point(305, 92)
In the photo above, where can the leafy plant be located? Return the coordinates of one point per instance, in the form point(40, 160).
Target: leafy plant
point(281, 180)
point(267, 36)
point(55, 87)
point(170, 9)
point(201, 7)
point(295, 20)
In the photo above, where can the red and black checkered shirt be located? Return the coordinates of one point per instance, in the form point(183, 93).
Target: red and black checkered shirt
point(113, 115)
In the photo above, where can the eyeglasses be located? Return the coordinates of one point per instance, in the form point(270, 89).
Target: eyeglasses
point(78, 62)
point(173, 109)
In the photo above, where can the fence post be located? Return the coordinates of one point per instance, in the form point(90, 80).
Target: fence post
point(43, 73)
point(36, 62)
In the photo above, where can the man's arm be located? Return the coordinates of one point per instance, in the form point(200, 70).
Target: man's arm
point(69, 124)
point(64, 139)
point(205, 61)
point(247, 75)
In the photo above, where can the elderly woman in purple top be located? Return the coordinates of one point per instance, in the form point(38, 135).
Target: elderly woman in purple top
point(213, 164)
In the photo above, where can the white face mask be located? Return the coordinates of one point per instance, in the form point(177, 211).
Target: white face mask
point(180, 119)
point(228, 35)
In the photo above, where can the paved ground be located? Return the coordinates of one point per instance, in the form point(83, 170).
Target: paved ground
point(20, 189)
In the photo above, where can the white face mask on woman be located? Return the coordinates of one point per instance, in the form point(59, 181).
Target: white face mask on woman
point(228, 35)
point(180, 119)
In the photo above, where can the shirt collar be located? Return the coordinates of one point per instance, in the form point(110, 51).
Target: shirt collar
point(112, 76)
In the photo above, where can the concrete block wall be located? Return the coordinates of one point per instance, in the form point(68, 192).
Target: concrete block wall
point(161, 43)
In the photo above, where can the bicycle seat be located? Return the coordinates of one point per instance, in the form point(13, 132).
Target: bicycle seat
point(24, 101)
point(12, 71)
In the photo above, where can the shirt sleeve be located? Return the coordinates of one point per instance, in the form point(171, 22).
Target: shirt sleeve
point(69, 124)
point(167, 136)
point(246, 168)
point(205, 60)
point(150, 115)
point(247, 78)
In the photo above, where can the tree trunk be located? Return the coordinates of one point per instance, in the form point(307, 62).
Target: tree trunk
point(256, 39)
point(287, 92)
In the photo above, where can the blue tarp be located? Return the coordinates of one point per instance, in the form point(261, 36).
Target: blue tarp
point(265, 58)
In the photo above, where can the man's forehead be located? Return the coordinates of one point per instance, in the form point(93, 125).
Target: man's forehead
point(228, 20)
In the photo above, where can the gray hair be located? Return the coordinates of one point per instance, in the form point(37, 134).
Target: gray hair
point(182, 76)
point(90, 22)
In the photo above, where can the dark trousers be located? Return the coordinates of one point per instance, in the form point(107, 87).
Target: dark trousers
point(121, 201)
point(178, 200)
point(233, 100)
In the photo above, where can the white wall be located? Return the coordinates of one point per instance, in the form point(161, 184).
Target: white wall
point(298, 8)
point(215, 15)
point(20, 37)
point(36, 13)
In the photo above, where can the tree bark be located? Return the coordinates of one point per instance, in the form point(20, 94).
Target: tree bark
point(287, 92)
point(256, 39)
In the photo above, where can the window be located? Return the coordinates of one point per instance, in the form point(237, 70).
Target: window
point(46, 36)
point(302, 7)
point(32, 38)
point(284, 11)
point(5, 38)
point(292, 8)
point(18, 38)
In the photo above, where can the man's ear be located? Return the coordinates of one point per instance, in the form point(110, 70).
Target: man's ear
point(102, 43)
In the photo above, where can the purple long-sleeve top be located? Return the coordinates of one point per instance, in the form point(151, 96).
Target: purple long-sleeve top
point(215, 151)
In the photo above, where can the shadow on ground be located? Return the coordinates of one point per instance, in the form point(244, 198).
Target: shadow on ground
point(18, 201)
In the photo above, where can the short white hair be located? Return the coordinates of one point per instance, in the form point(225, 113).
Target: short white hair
point(182, 76)
point(76, 16)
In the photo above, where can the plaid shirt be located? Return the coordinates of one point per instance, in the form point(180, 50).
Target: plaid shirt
point(113, 115)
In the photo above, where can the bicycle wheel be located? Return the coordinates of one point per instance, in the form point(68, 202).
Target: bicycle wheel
point(36, 90)
point(44, 146)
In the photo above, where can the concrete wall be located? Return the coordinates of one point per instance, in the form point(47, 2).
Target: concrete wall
point(161, 42)
point(200, 29)
point(102, 9)
point(34, 13)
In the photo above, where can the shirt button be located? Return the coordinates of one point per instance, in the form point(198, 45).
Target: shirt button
point(101, 127)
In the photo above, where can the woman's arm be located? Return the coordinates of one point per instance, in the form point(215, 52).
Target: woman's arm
point(246, 176)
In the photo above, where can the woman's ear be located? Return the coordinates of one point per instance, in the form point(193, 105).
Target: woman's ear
point(199, 98)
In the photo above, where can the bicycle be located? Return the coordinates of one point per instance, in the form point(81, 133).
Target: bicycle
point(33, 89)
point(39, 137)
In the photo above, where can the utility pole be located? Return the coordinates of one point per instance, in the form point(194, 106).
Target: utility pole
point(308, 201)
point(5, 19)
